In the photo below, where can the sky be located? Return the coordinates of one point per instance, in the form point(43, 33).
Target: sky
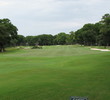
point(35, 17)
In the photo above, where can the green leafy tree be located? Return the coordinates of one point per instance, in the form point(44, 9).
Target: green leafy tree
point(72, 38)
point(61, 38)
point(86, 35)
point(97, 27)
point(45, 39)
point(20, 40)
point(79, 36)
point(55, 40)
point(29, 40)
point(105, 30)
point(7, 32)
point(13, 42)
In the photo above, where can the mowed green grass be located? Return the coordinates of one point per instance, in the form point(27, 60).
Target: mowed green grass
point(54, 73)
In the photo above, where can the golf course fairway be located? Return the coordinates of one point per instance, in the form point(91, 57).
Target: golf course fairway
point(54, 73)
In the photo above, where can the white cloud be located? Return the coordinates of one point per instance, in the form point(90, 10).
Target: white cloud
point(51, 16)
point(4, 3)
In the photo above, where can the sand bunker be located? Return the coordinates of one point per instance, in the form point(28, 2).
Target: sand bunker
point(100, 49)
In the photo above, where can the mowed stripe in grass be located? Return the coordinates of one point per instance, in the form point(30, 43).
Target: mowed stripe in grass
point(50, 51)
point(54, 77)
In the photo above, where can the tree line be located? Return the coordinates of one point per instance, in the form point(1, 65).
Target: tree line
point(97, 34)
point(90, 34)
point(46, 39)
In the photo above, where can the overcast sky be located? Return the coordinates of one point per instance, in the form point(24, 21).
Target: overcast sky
point(34, 17)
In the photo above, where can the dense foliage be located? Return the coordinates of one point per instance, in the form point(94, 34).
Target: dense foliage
point(90, 34)
point(95, 34)
point(8, 33)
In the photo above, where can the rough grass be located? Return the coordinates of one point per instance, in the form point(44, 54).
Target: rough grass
point(54, 73)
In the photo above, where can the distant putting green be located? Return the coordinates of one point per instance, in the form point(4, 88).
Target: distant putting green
point(54, 73)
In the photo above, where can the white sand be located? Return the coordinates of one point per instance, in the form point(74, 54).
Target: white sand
point(100, 49)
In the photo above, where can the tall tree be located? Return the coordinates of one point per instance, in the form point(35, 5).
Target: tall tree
point(79, 36)
point(7, 32)
point(87, 34)
point(61, 38)
point(45, 39)
point(29, 40)
point(20, 40)
point(72, 37)
point(105, 30)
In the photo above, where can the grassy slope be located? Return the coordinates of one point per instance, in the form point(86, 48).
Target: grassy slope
point(54, 73)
